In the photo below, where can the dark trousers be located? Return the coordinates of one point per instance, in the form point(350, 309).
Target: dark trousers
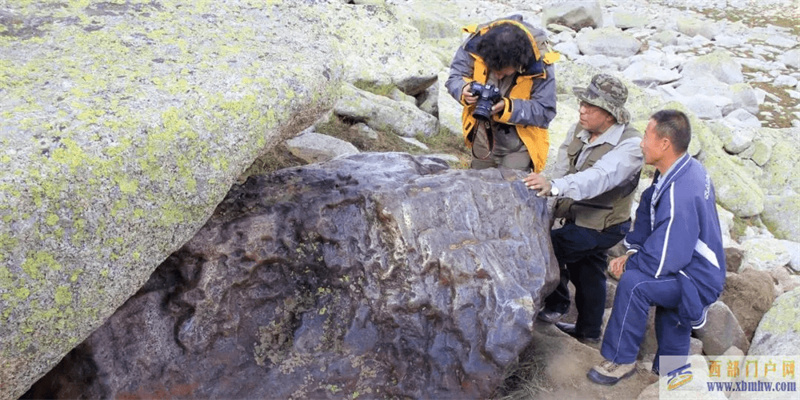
point(636, 293)
point(581, 255)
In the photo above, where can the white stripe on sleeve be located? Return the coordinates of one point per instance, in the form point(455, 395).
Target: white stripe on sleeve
point(705, 251)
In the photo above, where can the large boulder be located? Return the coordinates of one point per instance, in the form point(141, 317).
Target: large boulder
point(125, 123)
point(378, 274)
point(778, 334)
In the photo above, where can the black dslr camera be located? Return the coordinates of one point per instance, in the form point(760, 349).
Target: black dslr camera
point(488, 95)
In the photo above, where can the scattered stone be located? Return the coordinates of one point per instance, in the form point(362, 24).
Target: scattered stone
point(693, 27)
point(625, 20)
point(646, 73)
point(611, 42)
point(721, 331)
point(415, 142)
point(573, 14)
point(742, 119)
point(314, 147)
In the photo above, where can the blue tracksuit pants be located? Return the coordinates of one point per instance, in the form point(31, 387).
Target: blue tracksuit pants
point(636, 293)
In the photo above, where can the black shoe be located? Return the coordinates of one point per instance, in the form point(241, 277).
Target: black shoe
point(550, 317)
point(569, 329)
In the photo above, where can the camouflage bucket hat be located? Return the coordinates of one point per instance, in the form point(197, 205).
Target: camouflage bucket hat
point(608, 93)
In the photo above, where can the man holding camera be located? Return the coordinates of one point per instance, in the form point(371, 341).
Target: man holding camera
point(507, 87)
point(595, 176)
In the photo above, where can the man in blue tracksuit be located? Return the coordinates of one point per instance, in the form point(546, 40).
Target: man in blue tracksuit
point(675, 259)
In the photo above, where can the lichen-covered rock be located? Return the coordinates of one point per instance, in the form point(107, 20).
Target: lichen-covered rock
point(720, 64)
point(380, 50)
point(125, 123)
point(778, 334)
point(782, 215)
point(380, 275)
point(384, 114)
point(765, 254)
point(449, 109)
point(780, 170)
point(737, 191)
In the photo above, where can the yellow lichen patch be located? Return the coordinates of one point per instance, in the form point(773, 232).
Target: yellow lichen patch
point(63, 295)
point(37, 260)
point(22, 293)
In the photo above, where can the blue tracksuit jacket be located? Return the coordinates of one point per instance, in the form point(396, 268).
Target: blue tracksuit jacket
point(677, 232)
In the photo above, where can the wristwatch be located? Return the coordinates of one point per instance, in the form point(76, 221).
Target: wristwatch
point(553, 189)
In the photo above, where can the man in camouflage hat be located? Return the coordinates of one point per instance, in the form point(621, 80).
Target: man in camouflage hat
point(596, 173)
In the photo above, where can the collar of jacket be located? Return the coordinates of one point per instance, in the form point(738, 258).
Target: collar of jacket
point(676, 169)
point(612, 136)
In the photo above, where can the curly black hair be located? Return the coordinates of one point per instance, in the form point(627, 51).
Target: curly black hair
point(505, 45)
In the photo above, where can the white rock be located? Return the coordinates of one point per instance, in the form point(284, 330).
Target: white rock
point(574, 14)
point(415, 142)
point(794, 253)
point(720, 64)
point(315, 147)
point(765, 254)
point(703, 106)
point(568, 49)
point(781, 41)
point(725, 40)
point(696, 27)
point(726, 224)
point(791, 58)
point(598, 61)
point(608, 41)
point(645, 73)
point(742, 118)
point(666, 37)
point(785, 80)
